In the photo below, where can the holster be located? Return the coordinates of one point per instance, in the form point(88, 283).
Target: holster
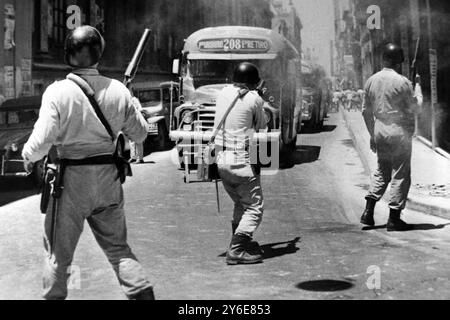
point(122, 164)
point(47, 187)
point(123, 168)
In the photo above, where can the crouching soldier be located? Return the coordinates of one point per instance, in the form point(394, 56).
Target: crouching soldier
point(241, 178)
point(82, 127)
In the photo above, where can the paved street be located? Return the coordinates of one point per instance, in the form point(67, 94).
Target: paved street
point(314, 246)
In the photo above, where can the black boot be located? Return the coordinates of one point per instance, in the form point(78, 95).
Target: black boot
point(367, 217)
point(146, 294)
point(253, 246)
point(240, 251)
point(397, 224)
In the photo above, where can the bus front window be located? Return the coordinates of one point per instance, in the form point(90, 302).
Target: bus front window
point(207, 72)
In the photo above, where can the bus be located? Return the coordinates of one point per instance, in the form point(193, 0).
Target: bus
point(206, 66)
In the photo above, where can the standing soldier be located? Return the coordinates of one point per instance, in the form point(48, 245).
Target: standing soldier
point(91, 189)
point(241, 179)
point(389, 108)
point(137, 149)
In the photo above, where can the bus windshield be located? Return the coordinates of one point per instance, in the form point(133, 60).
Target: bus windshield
point(208, 72)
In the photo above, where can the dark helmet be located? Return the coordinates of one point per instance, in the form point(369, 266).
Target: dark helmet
point(393, 54)
point(247, 73)
point(81, 37)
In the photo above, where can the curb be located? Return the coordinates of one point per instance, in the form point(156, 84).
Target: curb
point(413, 203)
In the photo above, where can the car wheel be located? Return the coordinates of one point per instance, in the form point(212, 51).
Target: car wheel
point(313, 122)
point(163, 140)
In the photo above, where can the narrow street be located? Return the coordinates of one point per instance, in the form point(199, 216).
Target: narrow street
point(314, 246)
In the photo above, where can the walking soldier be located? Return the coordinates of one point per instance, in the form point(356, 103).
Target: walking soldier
point(240, 178)
point(82, 128)
point(389, 108)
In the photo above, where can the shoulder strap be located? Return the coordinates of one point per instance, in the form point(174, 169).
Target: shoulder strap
point(241, 94)
point(89, 92)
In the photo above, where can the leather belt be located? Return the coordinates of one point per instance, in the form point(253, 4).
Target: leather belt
point(97, 160)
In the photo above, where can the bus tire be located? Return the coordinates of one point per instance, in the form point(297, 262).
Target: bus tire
point(163, 139)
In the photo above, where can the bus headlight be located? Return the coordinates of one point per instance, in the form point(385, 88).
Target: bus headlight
point(188, 118)
point(14, 147)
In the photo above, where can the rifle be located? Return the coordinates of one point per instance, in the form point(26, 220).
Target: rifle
point(415, 75)
point(134, 63)
point(416, 81)
point(122, 164)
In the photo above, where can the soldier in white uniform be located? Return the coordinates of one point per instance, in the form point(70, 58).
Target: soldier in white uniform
point(389, 108)
point(136, 149)
point(91, 191)
point(240, 177)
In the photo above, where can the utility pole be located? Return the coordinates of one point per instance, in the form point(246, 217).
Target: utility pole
point(433, 76)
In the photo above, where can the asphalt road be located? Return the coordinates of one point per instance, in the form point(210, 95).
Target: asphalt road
point(314, 246)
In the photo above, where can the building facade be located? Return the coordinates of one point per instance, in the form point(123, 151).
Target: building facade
point(35, 30)
point(286, 22)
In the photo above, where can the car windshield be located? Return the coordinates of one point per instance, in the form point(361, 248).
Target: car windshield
point(207, 72)
point(18, 119)
point(150, 97)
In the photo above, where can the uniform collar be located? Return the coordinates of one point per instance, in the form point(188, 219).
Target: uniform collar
point(86, 72)
point(389, 69)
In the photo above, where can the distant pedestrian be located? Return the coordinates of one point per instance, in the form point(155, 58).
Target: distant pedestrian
point(136, 148)
point(361, 95)
point(336, 101)
point(389, 110)
point(356, 101)
point(348, 99)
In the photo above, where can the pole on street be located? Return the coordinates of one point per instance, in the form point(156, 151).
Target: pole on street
point(432, 78)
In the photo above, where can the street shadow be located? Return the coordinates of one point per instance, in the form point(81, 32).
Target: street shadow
point(278, 249)
point(426, 226)
point(302, 154)
point(145, 162)
point(368, 228)
point(15, 189)
point(325, 128)
point(415, 227)
point(325, 285)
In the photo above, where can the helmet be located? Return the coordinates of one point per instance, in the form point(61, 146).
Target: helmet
point(247, 73)
point(80, 37)
point(393, 53)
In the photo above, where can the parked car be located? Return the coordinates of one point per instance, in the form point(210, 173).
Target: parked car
point(159, 103)
point(17, 118)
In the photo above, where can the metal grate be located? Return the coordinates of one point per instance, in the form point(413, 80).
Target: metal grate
point(205, 120)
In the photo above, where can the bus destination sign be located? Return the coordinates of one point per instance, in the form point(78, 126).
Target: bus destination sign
point(234, 45)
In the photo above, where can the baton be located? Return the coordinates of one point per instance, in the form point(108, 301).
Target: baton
point(217, 196)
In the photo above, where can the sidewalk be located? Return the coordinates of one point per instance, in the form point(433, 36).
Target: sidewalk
point(430, 190)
